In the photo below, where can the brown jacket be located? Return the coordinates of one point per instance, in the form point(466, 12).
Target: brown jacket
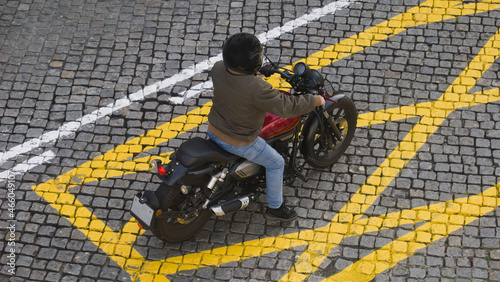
point(240, 104)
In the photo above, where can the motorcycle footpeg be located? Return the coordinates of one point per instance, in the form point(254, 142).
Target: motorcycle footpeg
point(301, 176)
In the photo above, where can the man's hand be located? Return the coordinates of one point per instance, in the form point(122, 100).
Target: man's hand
point(266, 70)
point(319, 100)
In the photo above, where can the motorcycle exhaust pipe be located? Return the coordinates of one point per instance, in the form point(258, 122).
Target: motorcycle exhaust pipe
point(232, 205)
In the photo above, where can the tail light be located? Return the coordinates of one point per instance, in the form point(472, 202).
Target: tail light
point(156, 165)
point(161, 170)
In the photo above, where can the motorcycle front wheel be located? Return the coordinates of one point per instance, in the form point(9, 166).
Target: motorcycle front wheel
point(323, 145)
point(180, 229)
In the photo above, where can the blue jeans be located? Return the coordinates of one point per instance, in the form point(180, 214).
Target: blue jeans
point(263, 154)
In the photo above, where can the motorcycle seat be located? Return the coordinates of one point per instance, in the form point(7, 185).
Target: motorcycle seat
point(199, 151)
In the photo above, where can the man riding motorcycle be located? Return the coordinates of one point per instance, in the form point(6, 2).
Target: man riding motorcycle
point(240, 102)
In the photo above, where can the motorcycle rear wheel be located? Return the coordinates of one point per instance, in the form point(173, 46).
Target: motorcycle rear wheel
point(177, 229)
point(322, 150)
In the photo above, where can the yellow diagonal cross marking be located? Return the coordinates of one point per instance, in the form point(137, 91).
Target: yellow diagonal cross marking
point(455, 97)
point(431, 11)
point(443, 218)
point(433, 114)
point(118, 162)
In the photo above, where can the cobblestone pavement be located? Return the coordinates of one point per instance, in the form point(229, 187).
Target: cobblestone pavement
point(90, 90)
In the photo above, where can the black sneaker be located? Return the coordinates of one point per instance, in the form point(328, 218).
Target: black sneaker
point(282, 213)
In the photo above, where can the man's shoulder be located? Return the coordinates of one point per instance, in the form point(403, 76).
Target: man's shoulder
point(218, 67)
point(263, 87)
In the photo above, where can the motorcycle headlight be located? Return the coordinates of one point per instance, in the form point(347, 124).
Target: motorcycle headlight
point(301, 69)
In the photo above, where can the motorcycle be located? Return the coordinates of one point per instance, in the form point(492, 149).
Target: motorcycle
point(202, 179)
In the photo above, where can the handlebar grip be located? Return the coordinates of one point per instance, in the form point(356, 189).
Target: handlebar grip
point(283, 74)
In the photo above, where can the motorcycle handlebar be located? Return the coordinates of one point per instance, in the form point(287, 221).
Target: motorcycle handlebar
point(283, 74)
point(270, 70)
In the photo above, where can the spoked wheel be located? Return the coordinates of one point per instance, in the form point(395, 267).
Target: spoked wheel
point(181, 228)
point(323, 144)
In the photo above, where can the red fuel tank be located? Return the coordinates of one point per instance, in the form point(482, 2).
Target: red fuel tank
point(276, 126)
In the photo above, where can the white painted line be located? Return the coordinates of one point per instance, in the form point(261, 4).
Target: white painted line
point(193, 91)
point(27, 165)
point(264, 37)
point(71, 127)
point(316, 14)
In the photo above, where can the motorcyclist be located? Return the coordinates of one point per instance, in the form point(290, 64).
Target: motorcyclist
point(241, 100)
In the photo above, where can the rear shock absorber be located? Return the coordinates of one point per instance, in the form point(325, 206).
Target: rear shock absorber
point(214, 185)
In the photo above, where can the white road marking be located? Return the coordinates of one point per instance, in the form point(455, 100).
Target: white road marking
point(192, 92)
point(264, 37)
point(69, 128)
point(27, 165)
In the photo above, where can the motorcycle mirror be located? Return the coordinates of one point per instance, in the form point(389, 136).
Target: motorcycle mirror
point(274, 65)
point(329, 91)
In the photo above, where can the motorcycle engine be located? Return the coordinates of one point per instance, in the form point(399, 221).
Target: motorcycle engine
point(282, 147)
point(244, 169)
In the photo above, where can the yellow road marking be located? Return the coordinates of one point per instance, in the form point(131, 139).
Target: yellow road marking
point(433, 114)
point(431, 11)
point(117, 245)
point(432, 117)
point(439, 108)
point(443, 218)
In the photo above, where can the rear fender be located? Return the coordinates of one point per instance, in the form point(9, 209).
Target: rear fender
point(147, 204)
point(175, 171)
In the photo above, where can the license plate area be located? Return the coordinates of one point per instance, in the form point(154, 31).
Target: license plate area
point(142, 212)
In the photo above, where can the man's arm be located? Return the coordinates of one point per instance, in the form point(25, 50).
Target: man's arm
point(275, 102)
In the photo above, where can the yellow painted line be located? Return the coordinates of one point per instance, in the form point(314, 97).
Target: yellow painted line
point(115, 163)
point(443, 219)
point(118, 162)
point(431, 11)
point(438, 108)
point(433, 114)
point(457, 209)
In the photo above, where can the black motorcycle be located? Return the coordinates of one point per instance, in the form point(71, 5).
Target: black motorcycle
point(202, 179)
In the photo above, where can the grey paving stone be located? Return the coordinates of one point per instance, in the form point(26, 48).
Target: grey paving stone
point(86, 55)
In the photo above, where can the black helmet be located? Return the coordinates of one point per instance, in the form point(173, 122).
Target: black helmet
point(242, 52)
